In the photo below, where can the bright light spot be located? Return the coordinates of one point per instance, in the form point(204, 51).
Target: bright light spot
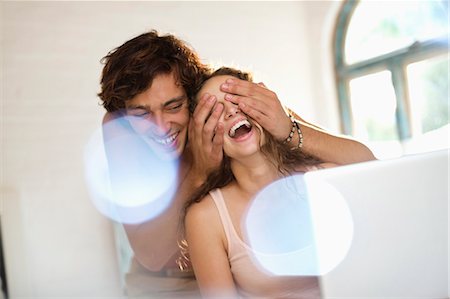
point(127, 179)
point(333, 224)
point(299, 226)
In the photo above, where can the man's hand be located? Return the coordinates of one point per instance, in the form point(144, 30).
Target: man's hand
point(259, 103)
point(206, 136)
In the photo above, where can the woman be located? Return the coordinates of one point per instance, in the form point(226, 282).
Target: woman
point(252, 159)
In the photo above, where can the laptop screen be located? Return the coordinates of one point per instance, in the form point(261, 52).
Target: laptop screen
point(400, 213)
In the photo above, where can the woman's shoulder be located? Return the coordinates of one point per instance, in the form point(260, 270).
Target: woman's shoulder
point(203, 220)
point(204, 210)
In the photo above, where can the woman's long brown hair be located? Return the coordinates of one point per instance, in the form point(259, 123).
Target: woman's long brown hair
point(277, 152)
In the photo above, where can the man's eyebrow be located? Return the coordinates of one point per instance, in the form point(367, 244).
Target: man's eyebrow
point(169, 102)
point(133, 107)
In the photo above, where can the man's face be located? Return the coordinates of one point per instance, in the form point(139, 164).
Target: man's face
point(160, 114)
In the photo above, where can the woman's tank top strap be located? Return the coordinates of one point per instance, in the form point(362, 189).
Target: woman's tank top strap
point(217, 196)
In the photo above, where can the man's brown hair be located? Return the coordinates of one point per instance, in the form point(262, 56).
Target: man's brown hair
point(130, 69)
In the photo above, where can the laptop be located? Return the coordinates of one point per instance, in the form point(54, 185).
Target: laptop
point(399, 247)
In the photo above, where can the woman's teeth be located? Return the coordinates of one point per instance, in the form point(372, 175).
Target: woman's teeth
point(236, 126)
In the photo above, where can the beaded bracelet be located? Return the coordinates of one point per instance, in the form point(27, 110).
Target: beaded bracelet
point(291, 133)
point(300, 135)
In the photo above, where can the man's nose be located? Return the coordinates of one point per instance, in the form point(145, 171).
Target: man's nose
point(161, 125)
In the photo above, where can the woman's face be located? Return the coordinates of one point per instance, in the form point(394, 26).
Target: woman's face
point(242, 135)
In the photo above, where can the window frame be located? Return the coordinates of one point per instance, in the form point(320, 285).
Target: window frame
point(395, 62)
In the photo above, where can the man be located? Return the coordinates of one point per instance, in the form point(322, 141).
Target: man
point(153, 79)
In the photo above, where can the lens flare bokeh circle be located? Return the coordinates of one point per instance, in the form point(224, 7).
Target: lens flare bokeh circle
point(300, 226)
point(130, 180)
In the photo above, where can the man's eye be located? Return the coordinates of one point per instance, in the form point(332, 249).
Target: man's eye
point(175, 107)
point(138, 113)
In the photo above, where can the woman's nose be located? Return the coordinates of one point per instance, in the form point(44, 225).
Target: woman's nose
point(231, 110)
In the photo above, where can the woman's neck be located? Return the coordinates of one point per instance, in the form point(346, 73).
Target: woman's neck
point(254, 173)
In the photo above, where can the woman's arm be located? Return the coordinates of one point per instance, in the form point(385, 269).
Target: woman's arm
point(208, 250)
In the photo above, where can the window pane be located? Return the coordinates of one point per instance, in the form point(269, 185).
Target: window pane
point(379, 27)
point(373, 105)
point(429, 98)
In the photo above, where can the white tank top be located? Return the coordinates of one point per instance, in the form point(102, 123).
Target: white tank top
point(251, 280)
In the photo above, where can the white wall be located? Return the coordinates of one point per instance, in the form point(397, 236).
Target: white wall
point(56, 243)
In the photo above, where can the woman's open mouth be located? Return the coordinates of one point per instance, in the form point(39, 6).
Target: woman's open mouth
point(239, 129)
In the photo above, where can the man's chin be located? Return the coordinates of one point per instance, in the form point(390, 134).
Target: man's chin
point(171, 153)
point(168, 152)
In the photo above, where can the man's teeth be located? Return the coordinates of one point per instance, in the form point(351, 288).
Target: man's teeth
point(239, 124)
point(167, 140)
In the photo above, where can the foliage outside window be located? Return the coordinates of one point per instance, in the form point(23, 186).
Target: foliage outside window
point(392, 66)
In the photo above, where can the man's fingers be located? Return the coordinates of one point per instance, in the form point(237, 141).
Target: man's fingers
point(260, 117)
point(217, 143)
point(235, 99)
point(200, 104)
point(212, 121)
point(237, 87)
point(256, 109)
point(218, 137)
point(245, 103)
point(203, 110)
point(244, 88)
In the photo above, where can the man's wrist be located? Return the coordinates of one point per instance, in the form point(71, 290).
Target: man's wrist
point(295, 137)
point(197, 177)
point(299, 134)
point(288, 139)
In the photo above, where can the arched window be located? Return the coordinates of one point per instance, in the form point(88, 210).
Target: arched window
point(392, 66)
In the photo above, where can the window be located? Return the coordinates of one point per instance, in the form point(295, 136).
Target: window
point(392, 66)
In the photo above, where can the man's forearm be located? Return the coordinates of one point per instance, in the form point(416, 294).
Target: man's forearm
point(331, 148)
point(155, 242)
